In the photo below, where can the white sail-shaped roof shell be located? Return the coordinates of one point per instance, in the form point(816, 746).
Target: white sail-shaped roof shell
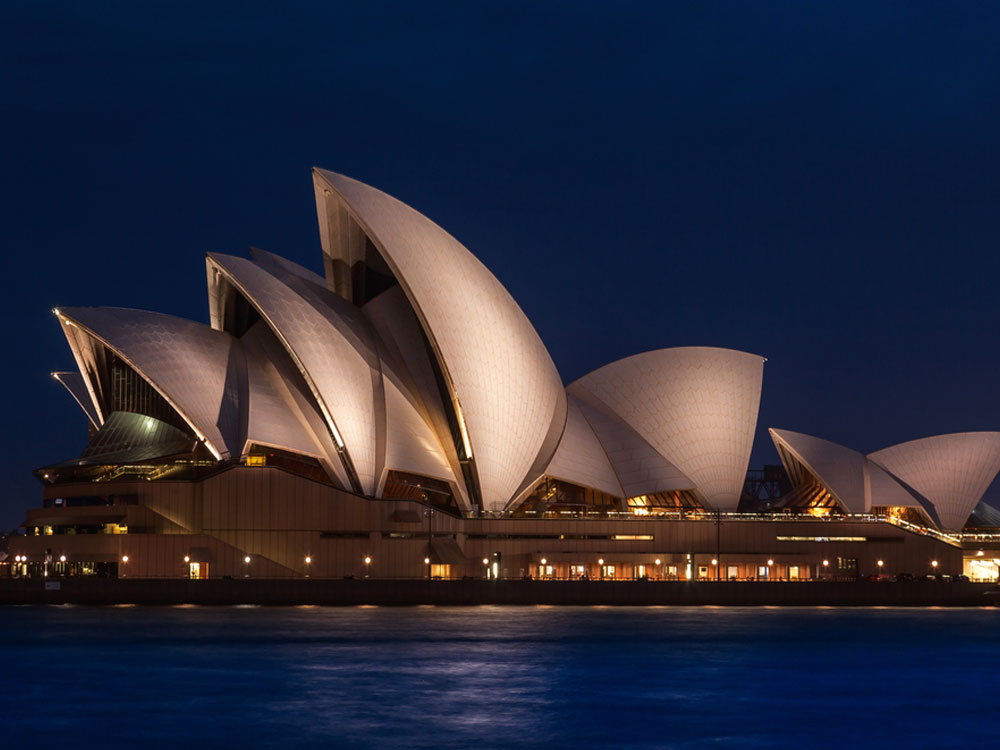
point(505, 388)
point(697, 406)
point(840, 470)
point(411, 445)
point(187, 363)
point(951, 471)
point(343, 382)
point(580, 457)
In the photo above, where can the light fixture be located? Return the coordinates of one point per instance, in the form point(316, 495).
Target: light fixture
point(368, 560)
point(62, 558)
point(880, 563)
point(601, 561)
point(187, 558)
point(825, 563)
point(247, 559)
point(978, 554)
point(308, 560)
point(770, 562)
point(486, 561)
point(657, 561)
point(934, 563)
point(427, 561)
point(544, 561)
point(124, 558)
point(714, 561)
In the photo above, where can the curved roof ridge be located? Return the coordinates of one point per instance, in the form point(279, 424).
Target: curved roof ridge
point(697, 406)
point(342, 381)
point(137, 336)
point(953, 471)
point(505, 388)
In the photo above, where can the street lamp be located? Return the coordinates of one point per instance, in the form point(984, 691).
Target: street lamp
point(368, 562)
point(124, 563)
point(541, 572)
point(309, 561)
point(934, 564)
point(880, 563)
point(246, 566)
point(427, 562)
point(486, 564)
point(600, 562)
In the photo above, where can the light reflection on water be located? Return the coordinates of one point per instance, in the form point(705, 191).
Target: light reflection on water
point(494, 677)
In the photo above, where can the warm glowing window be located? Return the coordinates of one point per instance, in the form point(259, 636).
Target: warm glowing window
point(256, 460)
point(440, 571)
point(576, 571)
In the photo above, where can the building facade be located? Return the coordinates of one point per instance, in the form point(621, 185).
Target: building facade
point(399, 416)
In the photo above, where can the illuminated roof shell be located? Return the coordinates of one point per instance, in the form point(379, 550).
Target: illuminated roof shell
point(951, 471)
point(696, 406)
point(503, 382)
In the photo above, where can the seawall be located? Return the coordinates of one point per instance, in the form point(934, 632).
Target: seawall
point(337, 592)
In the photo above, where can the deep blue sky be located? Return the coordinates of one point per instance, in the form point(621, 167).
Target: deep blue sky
point(814, 182)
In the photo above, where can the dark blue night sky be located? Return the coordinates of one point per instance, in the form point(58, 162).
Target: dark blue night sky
point(814, 182)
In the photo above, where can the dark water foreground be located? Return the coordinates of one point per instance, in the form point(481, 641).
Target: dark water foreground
point(473, 677)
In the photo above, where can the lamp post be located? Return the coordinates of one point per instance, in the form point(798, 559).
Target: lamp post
point(429, 515)
point(600, 563)
point(718, 543)
point(770, 563)
point(659, 568)
point(880, 563)
point(124, 563)
point(427, 562)
point(246, 566)
point(486, 565)
point(309, 561)
point(368, 564)
point(541, 571)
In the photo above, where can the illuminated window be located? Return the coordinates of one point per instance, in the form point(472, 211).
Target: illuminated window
point(440, 571)
point(672, 571)
point(793, 572)
point(703, 571)
point(640, 571)
point(256, 460)
point(577, 571)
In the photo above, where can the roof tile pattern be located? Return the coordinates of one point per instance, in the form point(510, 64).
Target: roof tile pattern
point(952, 471)
point(580, 457)
point(342, 379)
point(507, 387)
point(697, 406)
point(839, 469)
point(185, 361)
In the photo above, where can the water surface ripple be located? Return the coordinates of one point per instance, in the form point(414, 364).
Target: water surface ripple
point(541, 677)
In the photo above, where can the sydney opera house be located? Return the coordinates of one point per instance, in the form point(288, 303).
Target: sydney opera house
point(399, 416)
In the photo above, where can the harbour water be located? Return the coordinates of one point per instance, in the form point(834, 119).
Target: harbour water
point(244, 677)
